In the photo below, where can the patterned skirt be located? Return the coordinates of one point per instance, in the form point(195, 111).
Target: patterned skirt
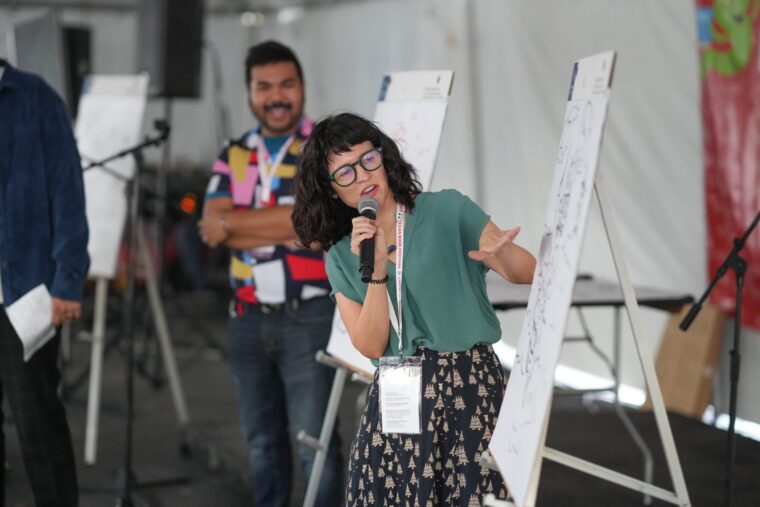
point(461, 396)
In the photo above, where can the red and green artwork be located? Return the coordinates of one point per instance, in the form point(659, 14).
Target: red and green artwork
point(732, 31)
point(730, 70)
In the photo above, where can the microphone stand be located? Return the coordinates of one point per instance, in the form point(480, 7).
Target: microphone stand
point(739, 265)
point(125, 479)
point(163, 134)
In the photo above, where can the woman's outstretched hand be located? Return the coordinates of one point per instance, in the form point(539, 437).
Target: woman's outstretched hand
point(497, 251)
point(486, 252)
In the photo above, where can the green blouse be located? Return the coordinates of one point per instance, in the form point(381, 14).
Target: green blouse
point(446, 306)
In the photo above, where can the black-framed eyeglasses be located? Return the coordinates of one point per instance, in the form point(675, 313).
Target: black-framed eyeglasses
point(370, 160)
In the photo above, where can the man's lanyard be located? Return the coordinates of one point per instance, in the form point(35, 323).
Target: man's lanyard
point(267, 170)
point(396, 321)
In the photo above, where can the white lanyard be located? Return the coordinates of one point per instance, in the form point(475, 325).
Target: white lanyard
point(396, 321)
point(267, 170)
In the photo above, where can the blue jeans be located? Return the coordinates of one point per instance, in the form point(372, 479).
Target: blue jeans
point(281, 387)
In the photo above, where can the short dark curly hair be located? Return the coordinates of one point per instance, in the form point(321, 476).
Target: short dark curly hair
point(320, 217)
point(268, 52)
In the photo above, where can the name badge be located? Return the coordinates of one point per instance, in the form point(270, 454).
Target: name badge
point(400, 382)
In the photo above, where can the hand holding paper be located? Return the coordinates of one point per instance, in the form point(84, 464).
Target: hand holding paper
point(64, 310)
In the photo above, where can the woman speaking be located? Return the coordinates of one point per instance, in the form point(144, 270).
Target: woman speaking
point(422, 315)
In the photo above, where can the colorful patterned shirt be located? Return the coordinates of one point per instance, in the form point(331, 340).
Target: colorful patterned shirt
point(270, 274)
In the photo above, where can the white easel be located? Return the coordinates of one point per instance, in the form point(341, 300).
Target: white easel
point(411, 110)
point(110, 119)
point(98, 345)
point(680, 494)
point(322, 445)
point(678, 497)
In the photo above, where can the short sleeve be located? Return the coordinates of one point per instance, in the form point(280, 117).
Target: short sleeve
point(219, 185)
point(336, 274)
point(472, 219)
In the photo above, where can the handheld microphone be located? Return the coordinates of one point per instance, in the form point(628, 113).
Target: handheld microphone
point(368, 207)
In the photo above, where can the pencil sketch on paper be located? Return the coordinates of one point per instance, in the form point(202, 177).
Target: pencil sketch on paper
point(555, 254)
point(519, 428)
point(416, 127)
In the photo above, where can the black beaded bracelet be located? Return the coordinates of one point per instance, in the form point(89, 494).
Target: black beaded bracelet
point(379, 282)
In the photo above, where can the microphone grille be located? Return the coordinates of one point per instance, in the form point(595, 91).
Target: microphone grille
point(368, 207)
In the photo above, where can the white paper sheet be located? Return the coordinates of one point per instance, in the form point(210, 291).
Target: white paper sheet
point(110, 120)
point(31, 318)
point(417, 128)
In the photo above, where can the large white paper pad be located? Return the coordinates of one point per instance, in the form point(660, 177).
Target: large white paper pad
point(517, 440)
point(110, 120)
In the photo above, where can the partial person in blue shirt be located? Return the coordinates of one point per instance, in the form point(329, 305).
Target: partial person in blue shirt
point(43, 240)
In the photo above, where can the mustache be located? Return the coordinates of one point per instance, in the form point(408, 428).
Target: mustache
point(284, 105)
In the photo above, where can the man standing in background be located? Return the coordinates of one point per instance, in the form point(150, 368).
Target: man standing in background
point(43, 240)
point(280, 313)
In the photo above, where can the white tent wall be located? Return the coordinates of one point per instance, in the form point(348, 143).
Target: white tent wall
point(346, 49)
point(651, 155)
point(513, 61)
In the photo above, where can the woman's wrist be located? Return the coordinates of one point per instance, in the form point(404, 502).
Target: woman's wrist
point(379, 272)
point(379, 276)
point(379, 281)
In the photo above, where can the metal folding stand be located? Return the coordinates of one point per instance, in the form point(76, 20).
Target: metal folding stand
point(98, 349)
point(322, 445)
point(125, 481)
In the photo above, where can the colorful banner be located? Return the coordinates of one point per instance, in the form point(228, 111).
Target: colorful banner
point(729, 31)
